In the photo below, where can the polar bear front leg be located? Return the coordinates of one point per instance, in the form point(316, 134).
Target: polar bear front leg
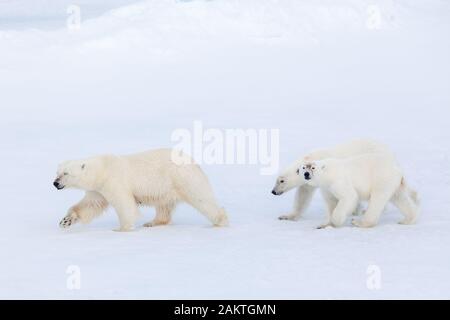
point(347, 202)
point(331, 203)
point(92, 205)
point(163, 215)
point(303, 197)
point(127, 211)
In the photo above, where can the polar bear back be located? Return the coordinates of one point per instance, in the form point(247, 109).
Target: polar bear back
point(349, 149)
point(365, 172)
point(153, 176)
point(289, 178)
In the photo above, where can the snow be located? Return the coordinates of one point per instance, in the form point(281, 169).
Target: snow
point(320, 71)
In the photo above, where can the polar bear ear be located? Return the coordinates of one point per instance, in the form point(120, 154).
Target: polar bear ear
point(83, 166)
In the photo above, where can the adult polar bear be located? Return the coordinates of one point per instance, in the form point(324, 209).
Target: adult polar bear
point(289, 178)
point(373, 177)
point(150, 178)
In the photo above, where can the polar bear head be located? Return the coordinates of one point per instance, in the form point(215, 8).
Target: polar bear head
point(312, 172)
point(79, 174)
point(288, 180)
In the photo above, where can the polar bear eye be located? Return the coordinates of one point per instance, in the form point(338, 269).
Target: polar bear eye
point(281, 181)
point(314, 168)
point(65, 173)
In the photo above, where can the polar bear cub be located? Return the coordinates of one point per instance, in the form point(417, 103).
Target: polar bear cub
point(374, 177)
point(289, 179)
point(126, 182)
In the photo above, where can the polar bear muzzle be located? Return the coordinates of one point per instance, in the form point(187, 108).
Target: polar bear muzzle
point(58, 185)
point(308, 170)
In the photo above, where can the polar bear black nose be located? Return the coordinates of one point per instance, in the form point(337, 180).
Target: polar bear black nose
point(273, 192)
point(58, 185)
point(307, 176)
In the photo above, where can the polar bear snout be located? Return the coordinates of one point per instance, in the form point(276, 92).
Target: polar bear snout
point(58, 184)
point(274, 192)
point(308, 171)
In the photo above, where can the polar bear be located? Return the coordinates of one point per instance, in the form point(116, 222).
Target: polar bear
point(126, 182)
point(374, 177)
point(289, 179)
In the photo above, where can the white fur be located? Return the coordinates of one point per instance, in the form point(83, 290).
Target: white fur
point(374, 177)
point(289, 179)
point(125, 182)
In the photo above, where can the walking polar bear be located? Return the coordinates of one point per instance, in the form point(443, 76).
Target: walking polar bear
point(125, 182)
point(289, 178)
point(374, 177)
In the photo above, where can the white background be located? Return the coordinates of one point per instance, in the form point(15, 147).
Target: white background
point(322, 72)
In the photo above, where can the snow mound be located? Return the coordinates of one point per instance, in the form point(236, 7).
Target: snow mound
point(169, 24)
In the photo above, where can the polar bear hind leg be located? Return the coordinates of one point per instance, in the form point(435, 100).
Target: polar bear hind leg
point(194, 188)
point(377, 203)
point(210, 210)
point(406, 204)
point(203, 200)
point(163, 215)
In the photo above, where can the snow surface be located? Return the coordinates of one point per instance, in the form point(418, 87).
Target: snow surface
point(317, 70)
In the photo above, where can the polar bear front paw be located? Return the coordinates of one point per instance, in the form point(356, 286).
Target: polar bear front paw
point(363, 223)
point(148, 224)
point(67, 221)
point(324, 225)
point(155, 223)
point(407, 221)
point(288, 217)
point(123, 230)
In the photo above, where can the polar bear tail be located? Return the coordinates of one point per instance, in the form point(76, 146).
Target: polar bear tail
point(411, 192)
